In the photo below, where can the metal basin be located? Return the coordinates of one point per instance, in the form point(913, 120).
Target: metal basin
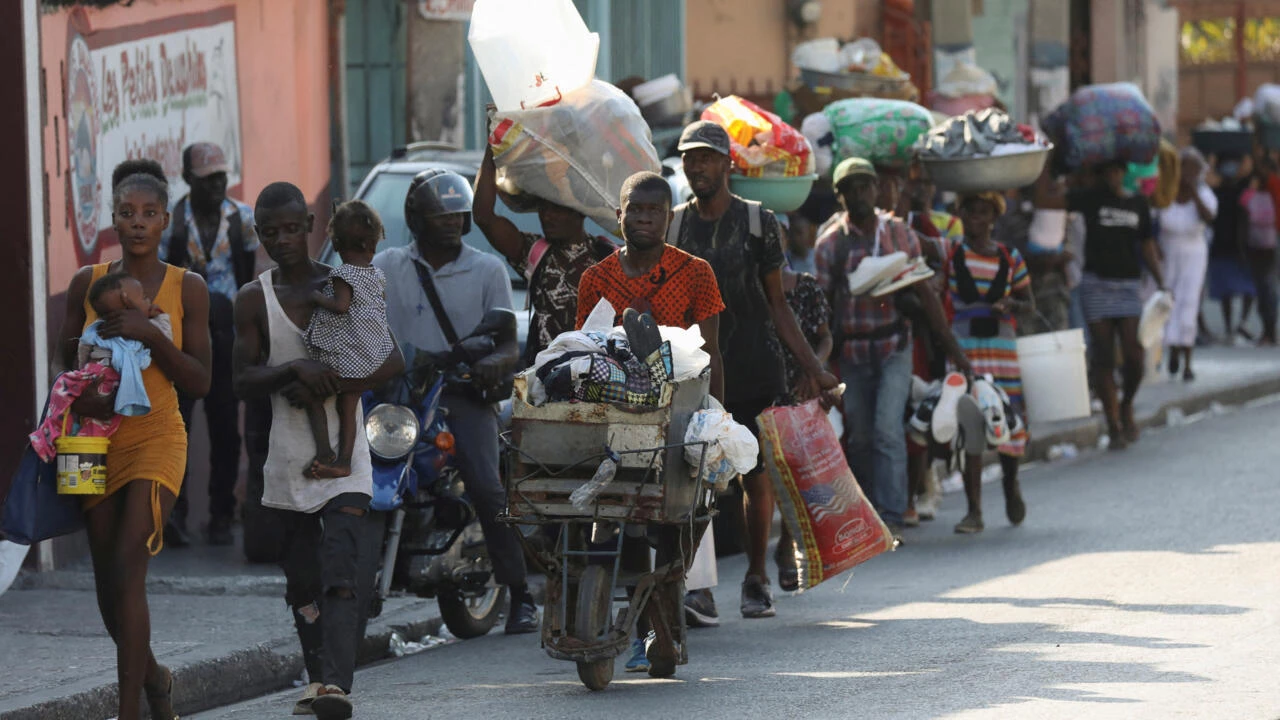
point(853, 82)
point(979, 174)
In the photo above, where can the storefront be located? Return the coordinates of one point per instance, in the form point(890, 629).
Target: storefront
point(148, 79)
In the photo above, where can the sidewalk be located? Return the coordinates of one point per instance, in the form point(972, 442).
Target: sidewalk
point(223, 628)
point(219, 623)
point(1224, 376)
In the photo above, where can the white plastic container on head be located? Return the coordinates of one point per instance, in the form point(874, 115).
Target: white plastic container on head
point(1055, 376)
point(531, 52)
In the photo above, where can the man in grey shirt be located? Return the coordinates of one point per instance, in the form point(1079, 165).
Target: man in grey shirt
point(469, 283)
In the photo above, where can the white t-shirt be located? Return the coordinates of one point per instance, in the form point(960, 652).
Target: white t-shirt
point(1180, 223)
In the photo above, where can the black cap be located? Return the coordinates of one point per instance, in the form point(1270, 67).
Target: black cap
point(704, 134)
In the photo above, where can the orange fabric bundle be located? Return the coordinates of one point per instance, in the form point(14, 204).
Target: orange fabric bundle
point(759, 142)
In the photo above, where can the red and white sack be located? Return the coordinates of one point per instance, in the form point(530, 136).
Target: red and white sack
point(820, 501)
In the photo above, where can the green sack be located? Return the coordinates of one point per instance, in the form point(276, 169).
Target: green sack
point(882, 131)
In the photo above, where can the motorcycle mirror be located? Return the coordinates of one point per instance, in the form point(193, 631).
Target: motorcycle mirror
point(498, 321)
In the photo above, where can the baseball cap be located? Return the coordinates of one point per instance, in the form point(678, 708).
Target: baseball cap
point(205, 159)
point(849, 167)
point(704, 134)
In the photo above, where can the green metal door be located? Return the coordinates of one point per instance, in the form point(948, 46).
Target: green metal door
point(375, 78)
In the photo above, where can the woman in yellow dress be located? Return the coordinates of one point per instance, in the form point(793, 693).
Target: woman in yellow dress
point(148, 454)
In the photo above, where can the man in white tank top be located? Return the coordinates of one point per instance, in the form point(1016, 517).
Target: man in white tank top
point(330, 542)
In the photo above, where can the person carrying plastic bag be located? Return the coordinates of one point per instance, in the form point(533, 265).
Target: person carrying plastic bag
point(575, 153)
point(816, 492)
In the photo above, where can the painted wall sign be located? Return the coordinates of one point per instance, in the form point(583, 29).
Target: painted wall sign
point(145, 92)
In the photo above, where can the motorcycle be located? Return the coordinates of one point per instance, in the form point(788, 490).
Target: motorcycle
point(433, 545)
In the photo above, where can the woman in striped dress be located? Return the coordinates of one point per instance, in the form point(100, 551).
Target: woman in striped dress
point(987, 286)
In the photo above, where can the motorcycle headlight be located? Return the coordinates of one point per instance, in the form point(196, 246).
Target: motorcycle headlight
point(392, 431)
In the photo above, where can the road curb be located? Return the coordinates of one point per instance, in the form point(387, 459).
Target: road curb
point(1087, 434)
point(242, 675)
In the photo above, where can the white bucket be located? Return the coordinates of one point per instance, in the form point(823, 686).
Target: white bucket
point(1055, 376)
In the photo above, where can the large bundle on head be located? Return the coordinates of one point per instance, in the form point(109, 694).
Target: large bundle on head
point(882, 131)
point(966, 87)
point(760, 144)
point(576, 153)
point(1100, 123)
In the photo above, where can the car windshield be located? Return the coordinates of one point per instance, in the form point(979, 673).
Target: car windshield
point(386, 195)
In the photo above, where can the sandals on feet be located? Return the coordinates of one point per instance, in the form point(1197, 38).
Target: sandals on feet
point(971, 524)
point(788, 570)
point(1129, 425)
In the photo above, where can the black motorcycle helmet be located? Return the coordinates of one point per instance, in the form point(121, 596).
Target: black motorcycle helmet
point(436, 192)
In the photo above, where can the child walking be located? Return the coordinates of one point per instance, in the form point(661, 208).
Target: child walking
point(348, 331)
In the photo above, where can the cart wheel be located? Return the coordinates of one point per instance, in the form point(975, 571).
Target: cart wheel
point(591, 619)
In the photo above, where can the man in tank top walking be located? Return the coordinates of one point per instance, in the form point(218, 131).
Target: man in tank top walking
point(330, 544)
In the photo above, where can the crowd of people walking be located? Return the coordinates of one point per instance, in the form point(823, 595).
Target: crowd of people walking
point(770, 295)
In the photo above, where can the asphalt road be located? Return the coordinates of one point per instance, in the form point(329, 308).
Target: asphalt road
point(1143, 584)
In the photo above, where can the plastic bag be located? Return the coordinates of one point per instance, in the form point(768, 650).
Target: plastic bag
point(11, 556)
point(531, 52)
point(816, 492)
point(1266, 102)
point(967, 79)
point(1104, 122)
point(1155, 314)
point(759, 142)
point(861, 55)
point(882, 131)
point(821, 54)
point(576, 153)
point(600, 319)
point(816, 128)
point(686, 351)
point(731, 451)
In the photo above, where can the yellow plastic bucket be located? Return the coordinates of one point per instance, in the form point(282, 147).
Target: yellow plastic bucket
point(82, 464)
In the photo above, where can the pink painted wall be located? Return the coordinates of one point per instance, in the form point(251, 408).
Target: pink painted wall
point(282, 55)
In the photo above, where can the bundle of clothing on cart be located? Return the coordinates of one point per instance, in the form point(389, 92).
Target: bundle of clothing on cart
point(629, 364)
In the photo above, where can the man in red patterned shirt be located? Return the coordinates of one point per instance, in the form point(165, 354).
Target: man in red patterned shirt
point(647, 274)
point(873, 339)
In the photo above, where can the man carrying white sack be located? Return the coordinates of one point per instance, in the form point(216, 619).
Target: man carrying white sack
point(552, 262)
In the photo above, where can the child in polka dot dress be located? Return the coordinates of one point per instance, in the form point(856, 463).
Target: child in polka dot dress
point(348, 330)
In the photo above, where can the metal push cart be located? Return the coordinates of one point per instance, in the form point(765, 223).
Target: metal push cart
point(655, 500)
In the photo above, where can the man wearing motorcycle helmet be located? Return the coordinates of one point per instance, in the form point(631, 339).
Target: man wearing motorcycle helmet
point(466, 284)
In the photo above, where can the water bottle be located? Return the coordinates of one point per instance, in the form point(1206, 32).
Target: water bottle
point(585, 496)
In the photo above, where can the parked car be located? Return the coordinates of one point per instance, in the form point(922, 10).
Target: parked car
point(385, 187)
